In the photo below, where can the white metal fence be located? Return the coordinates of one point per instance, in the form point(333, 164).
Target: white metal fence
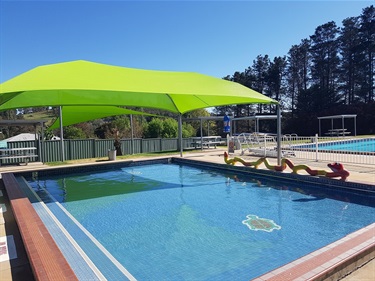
point(360, 150)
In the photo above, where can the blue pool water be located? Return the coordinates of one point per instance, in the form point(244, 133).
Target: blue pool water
point(363, 145)
point(172, 222)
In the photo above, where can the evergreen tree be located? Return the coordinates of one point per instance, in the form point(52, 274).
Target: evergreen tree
point(260, 69)
point(367, 35)
point(276, 80)
point(298, 64)
point(349, 41)
point(325, 60)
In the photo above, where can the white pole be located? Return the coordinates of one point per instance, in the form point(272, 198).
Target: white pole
point(61, 135)
point(265, 145)
point(180, 132)
point(343, 125)
point(320, 132)
point(316, 148)
point(132, 133)
point(278, 135)
point(41, 142)
point(202, 132)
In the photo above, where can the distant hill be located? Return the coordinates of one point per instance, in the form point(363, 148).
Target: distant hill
point(41, 115)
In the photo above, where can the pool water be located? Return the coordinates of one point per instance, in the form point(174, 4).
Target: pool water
point(172, 222)
point(367, 145)
point(363, 145)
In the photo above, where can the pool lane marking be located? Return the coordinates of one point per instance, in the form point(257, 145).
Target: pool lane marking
point(99, 245)
point(70, 238)
point(93, 239)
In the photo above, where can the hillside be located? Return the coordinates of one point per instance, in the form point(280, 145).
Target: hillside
point(41, 115)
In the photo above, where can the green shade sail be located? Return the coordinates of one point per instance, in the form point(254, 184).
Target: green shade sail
point(78, 114)
point(88, 83)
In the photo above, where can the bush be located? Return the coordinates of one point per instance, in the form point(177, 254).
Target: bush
point(72, 132)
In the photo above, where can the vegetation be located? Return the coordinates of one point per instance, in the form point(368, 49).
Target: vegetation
point(331, 72)
point(165, 126)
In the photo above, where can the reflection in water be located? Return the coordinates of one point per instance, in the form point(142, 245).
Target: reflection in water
point(181, 178)
point(169, 216)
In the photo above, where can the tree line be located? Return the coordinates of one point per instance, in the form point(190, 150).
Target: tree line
point(329, 73)
point(162, 125)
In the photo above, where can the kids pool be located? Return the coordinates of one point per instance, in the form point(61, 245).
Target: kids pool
point(168, 221)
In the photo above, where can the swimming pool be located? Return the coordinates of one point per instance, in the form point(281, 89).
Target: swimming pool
point(355, 145)
point(188, 223)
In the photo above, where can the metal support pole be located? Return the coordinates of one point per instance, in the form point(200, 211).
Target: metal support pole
point(132, 133)
point(202, 133)
point(278, 135)
point(41, 144)
point(343, 125)
point(180, 133)
point(231, 131)
point(61, 135)
point(316, 148)
point(320, 132)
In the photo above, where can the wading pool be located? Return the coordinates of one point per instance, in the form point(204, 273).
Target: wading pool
point(181, 222)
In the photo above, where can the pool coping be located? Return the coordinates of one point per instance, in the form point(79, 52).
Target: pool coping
point(337, 259)
point(46, 260)
point(333, 261)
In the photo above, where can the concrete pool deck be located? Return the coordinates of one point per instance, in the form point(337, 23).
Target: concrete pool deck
point(18, 268)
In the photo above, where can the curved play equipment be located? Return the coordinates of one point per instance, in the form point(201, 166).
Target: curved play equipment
point(337, 168)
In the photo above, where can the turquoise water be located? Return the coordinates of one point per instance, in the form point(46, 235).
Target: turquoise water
point(171, 222)
point(365, 145)
point(361, 146)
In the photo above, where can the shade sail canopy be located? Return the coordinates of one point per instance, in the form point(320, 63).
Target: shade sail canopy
point(78, 114)
point(89, 83)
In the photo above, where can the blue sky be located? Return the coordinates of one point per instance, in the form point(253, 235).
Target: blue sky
point(211, 37)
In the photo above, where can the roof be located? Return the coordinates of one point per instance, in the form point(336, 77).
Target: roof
point(22, 122)
point(88, 83)
point(22, 137)
point(339, 116)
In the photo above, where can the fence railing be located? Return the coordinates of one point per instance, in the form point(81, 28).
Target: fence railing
point(50, 150)
point(347, 149)
point(360, 150)
point(336, 149)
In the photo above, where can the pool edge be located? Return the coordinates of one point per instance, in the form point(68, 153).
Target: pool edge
point(331, 262)
point(46, 260)
point(318, 273)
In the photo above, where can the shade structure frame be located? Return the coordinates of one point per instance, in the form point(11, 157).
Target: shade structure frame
point(78, 114)
point(89, 83)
